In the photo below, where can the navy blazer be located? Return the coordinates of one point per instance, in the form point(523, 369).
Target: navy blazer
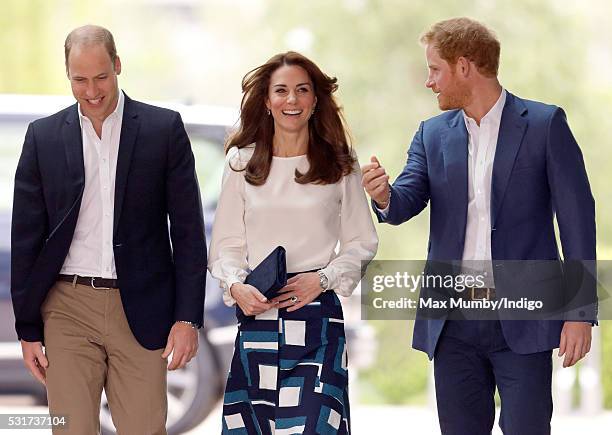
point(538, 172)
point(157, 201)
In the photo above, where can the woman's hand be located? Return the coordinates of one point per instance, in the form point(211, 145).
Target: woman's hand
point(304, 286)
point(249, 299)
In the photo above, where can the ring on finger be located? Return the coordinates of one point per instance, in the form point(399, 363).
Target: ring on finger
point(294, 299)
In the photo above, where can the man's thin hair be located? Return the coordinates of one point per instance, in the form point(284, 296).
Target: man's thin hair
point(90, 34)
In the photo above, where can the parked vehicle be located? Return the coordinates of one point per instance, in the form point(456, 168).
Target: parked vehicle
point(195, 390)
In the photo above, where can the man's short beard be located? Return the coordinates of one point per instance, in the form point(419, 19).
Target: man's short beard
point(458, 97)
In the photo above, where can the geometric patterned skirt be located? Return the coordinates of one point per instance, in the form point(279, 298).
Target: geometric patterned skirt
point(289, 373)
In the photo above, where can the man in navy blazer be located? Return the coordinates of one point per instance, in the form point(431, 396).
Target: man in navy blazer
point(108, 248)
point(496, 169)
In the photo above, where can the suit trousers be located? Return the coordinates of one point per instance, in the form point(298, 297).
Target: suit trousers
point(90, 348)
point(472, 358)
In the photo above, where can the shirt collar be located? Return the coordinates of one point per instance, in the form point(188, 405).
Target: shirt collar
point(116, 114)
point(494, 114)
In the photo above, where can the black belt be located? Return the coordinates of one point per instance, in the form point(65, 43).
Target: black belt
point(478, 293)
point(91, 281)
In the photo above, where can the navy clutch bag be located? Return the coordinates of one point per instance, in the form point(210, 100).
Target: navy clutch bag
point(268, 277)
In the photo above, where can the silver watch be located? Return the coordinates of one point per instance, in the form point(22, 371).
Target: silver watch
point(323, 281)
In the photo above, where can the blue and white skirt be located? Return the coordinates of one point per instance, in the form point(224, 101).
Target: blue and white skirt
point(289, 373)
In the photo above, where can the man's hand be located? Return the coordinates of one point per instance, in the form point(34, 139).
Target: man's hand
point(249, 299)
point(182, 343)
point(304, 286)
point(575, 342)
point(376, 182)
point(35, 360)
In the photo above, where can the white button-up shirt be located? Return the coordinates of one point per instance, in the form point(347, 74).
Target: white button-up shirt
point(91, 250)
point(308, 220)
point(481, 154)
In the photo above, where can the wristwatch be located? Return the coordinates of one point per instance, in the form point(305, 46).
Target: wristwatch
point(323, 280)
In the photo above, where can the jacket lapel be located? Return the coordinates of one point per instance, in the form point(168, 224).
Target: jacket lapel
point(73, 147)
point(455, 151)
point(129, 131)
point(511, 132)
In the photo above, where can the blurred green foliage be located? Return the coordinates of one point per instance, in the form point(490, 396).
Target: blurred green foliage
point(556, 51)
point(606, 368)
point(400, 375)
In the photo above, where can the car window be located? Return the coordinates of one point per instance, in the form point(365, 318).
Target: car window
point(12, 134)
point(209, 159)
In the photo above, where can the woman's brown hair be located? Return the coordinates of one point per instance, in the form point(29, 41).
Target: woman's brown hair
point(329, 151)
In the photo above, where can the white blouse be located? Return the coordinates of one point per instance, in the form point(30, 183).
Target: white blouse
point(308, 220)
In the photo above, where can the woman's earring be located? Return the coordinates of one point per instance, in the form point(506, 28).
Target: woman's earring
point(269, 113)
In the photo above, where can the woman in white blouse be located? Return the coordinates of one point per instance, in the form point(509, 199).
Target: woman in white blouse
point(291, 180)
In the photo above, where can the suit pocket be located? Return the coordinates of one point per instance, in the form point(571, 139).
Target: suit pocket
point(525, 168)
point(545, 270)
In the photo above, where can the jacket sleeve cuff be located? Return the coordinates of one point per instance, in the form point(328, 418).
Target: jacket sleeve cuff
point(30, 332)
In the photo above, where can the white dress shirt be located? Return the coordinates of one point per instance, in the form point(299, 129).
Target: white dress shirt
point(308, 220)
point(481, 154)
point(91, 250)
point(482, 144)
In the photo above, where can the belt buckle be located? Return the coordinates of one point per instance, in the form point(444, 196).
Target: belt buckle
point(486, 298)
point(98, 288)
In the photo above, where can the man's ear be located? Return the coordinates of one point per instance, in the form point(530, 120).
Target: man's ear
point(463, 66)
point(117, 65)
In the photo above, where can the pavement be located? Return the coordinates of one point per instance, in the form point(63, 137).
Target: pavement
point(414, 420)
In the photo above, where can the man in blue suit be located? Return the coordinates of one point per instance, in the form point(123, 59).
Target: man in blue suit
point(108, 255)
point(496, 169)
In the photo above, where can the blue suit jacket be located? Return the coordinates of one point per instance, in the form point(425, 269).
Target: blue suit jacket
point(538, 172)
point(155, 183)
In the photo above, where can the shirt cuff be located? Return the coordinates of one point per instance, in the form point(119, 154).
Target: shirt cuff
point(227, 296)
point(383, 211)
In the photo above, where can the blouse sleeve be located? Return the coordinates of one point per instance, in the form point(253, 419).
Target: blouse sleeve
point(228, 250)
point(358, 238)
